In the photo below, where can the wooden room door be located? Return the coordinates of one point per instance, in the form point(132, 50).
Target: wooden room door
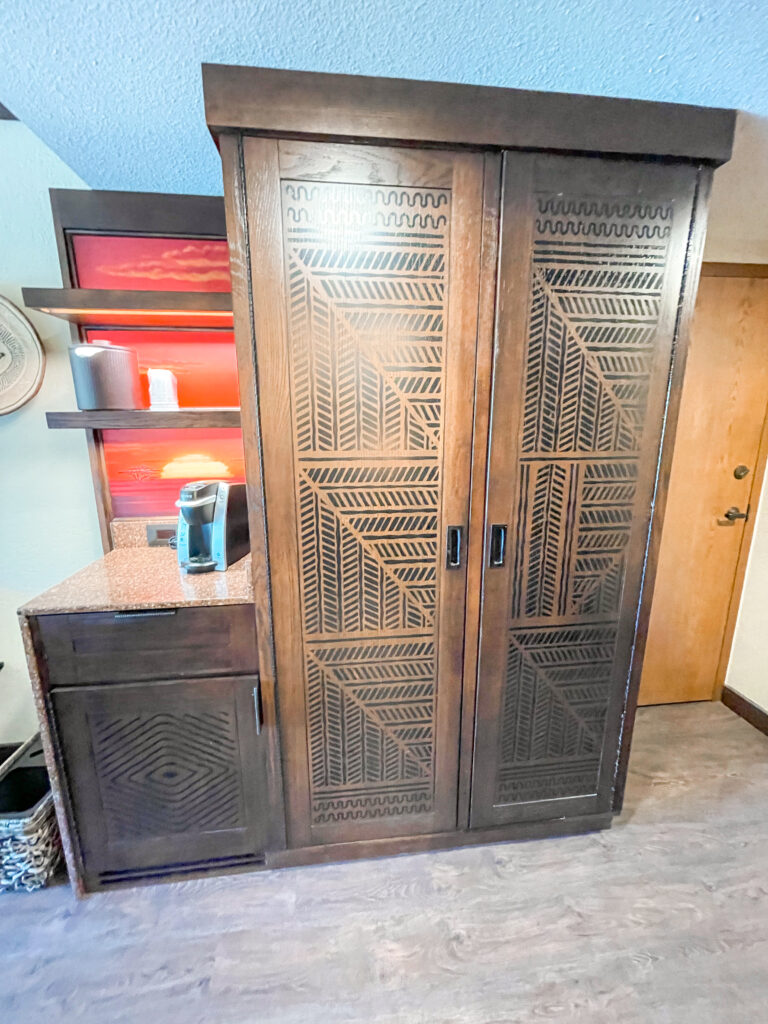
point(364, 280)
point(592, 257)
point(715, 468)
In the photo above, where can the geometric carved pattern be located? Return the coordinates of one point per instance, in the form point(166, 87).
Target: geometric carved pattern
point(369, 546)
point(596, 286)
point(598, 270)
point(163, 773)
point(371, 706)
point(558, 684)
point(366, 269)
point(573, 528)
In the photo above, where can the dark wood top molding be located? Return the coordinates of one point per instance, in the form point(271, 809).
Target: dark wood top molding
point(302, 104)
point(143, 213)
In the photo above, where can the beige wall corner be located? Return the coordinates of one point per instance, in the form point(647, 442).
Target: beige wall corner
point(738, 217)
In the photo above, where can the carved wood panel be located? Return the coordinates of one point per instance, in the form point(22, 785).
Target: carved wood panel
point(371, 366)
point(166, 772)
point(163, 773)
point(598, 311)
point(367, 275)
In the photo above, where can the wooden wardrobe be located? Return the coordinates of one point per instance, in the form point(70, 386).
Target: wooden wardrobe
point(461, 316)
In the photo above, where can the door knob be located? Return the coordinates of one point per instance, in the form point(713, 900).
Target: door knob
point(733, 513)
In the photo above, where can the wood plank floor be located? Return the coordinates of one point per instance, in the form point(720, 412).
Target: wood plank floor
point(662, 920)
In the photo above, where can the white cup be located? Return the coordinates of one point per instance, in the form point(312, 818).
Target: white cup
point(162, 389)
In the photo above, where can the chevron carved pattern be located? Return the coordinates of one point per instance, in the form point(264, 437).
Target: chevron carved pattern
point(163, 773)
point(597, 272)
point(555, 701)
point(371, 722)
point(573, 528)
point(597, 276)
point(366, 269)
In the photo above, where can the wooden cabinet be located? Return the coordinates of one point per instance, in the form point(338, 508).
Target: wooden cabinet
point(461, 319)
point(458, 366)
point(165, 777)
point(160, 752)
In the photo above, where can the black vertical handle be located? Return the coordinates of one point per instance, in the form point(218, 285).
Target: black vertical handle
point(453, 547)
point(498, 550)
point(257, 707)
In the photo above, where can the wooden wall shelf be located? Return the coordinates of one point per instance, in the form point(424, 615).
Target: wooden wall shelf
point(96, 307)
point(142, 419)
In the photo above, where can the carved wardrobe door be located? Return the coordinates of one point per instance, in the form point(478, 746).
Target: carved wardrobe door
point(592, 256)
point(364, 281)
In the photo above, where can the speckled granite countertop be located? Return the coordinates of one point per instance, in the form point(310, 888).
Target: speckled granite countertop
point(142, 578)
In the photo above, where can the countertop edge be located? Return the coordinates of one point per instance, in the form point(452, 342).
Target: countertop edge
point(31, 610)
point(140, 579)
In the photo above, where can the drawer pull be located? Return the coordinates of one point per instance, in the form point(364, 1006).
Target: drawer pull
point(147, 613)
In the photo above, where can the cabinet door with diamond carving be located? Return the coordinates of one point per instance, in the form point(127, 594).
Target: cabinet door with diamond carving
point(592, 258)
point(165, 777)
point(364, 284)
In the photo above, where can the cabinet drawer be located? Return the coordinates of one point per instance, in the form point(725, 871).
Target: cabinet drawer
point(163, 643)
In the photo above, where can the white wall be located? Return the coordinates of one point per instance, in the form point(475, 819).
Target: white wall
point(48, 524)
point(748, 666)
point(737, 231)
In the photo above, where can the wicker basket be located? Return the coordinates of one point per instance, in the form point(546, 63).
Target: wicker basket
point(30, 846)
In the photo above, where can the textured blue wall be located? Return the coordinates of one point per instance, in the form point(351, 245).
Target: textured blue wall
point(114, 87)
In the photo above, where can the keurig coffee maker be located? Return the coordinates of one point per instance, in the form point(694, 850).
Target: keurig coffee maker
point(212, 531)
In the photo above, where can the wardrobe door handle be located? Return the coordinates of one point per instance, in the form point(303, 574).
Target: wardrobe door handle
point(498, 552)
point(453, 547)
point(145, 613)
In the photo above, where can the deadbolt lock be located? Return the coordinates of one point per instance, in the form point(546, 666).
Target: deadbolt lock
point(740, 471)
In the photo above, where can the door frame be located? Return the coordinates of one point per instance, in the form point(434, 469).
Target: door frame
point(741, 270)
